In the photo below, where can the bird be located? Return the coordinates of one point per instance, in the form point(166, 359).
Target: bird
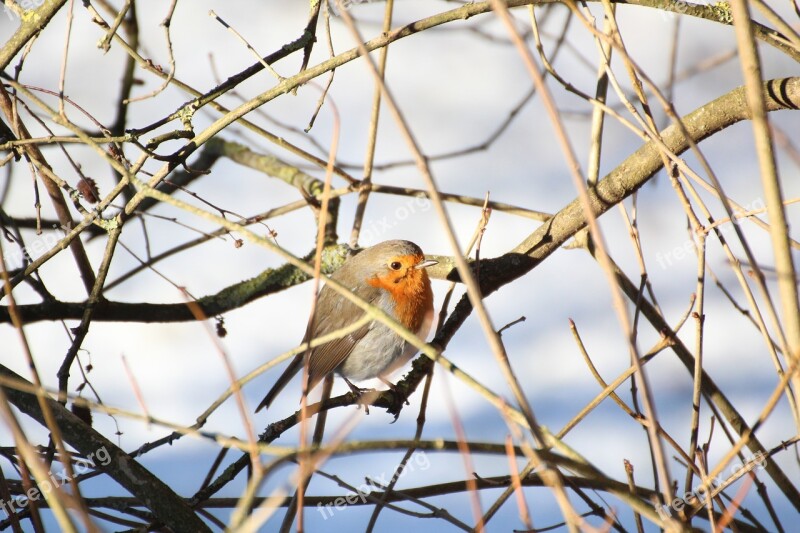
point(390, 275)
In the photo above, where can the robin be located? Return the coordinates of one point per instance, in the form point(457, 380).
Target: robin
point(390, 275)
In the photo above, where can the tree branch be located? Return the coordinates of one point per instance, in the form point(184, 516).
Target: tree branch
point(268, 282)
point(169, 508)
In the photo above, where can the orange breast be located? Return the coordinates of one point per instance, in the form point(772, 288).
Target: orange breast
point(412, 296)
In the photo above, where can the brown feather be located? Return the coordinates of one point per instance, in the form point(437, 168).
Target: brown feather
point(327, 358)
point(333, 313)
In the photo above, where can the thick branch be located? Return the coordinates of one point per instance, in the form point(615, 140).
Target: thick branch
point(168, 507)
point(29, 28)
point(634, 172)
point(268, 282)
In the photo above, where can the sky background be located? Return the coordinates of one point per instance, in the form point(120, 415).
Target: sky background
point(454, 86)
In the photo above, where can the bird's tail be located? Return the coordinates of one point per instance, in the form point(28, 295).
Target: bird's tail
point(294, 367)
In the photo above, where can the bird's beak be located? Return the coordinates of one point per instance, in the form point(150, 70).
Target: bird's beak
point(425, 264)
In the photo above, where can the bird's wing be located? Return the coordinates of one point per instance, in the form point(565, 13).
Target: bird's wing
point(327, 357)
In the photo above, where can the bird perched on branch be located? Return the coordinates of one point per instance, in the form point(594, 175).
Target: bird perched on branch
point(391, 276)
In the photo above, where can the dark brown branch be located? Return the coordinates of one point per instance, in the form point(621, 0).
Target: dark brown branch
point(169, 508)
point(636, 170)
point(268, 282)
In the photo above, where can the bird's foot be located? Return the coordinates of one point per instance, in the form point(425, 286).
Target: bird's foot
point(399, 396)
point(359, 393)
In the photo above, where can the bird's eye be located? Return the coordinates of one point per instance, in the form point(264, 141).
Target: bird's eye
point(395, 265)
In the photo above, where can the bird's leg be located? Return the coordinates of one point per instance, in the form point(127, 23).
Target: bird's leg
point(358, 391)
